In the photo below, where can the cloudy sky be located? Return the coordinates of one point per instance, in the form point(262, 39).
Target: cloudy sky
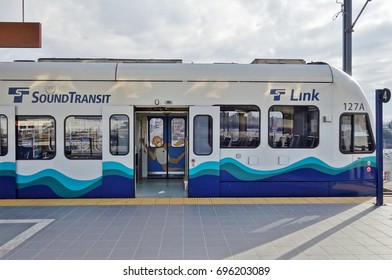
point(207, 31)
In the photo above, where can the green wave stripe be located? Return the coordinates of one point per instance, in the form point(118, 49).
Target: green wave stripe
point(240, 171)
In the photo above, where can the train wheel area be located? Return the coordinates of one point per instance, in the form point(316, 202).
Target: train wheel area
point(189, 201)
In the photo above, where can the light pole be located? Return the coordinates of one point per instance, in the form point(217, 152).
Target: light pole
point(348, 29)
point(347, 37)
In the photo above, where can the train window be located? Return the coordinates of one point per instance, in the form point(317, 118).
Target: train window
point(35, 137)
point(239, 126)
point(202, 131)
point(293, 127)
point(156, 132)
point(119, 135)
point(3, 135)
point(178, 132)
point(356, 134)
point(83, 137)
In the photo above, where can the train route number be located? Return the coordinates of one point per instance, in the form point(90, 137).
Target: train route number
point(353, 106)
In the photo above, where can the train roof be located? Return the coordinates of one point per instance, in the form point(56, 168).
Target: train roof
point(167, 71)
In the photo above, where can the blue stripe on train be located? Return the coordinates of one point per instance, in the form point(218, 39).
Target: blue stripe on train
point(308, 177)
point(313, 169)
point(116, 187)
point(119, 188)
point(117, 181)
point(7, 180)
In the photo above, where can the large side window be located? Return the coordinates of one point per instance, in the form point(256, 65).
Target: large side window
point(356, 134)
point(119, 135)
point(3, 135)
point(293, 126)
point(239, 126)
point(202, 140)
point(36, 137)
point(83, 137)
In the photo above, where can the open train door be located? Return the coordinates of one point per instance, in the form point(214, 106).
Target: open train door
point(7, 152)
point(118, 152)
point(204, 154)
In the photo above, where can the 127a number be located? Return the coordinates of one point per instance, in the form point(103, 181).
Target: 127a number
point(353, 106)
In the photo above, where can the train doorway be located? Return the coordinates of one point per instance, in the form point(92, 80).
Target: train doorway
point(161, 153)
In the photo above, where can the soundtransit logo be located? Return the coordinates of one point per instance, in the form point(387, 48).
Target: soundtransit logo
point(70, 97)
point(18, 93)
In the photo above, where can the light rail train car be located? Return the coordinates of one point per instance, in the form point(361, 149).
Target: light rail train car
point(76, 128)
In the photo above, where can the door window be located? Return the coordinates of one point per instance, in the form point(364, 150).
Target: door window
point(119, 135)
point(178, 132)
point(202, 142)
point(156, 132)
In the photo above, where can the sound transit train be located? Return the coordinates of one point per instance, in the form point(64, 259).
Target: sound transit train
point(78, 128)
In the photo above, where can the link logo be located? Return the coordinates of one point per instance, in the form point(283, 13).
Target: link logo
point(18, 93)
point(296, 95)
point(277, 93)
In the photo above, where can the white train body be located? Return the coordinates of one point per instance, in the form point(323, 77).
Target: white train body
point(79, 129)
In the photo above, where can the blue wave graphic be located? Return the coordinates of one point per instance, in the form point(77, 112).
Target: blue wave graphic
point(115, 168)
point(65, 186)
point(207, 168)
point(244, 173)
point(11, 166)
point(63, 180)
point(7, 169)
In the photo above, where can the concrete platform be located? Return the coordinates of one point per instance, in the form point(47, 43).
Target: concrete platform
point(185, 228)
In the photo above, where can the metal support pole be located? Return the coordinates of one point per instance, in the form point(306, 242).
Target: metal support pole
point(382, 96)
point(23, 13)
point(347, 37)
point(360, 13)
point(379, 148)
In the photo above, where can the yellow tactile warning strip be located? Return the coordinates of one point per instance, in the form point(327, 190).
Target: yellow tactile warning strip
point(189, 201)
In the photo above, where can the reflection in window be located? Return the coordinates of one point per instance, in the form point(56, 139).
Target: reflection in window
point(355, 134)
point(178, 132)
point(293, 127)
point(83, 137)
point(119, 135)
point(35, 137)
point(3, 135)
point(239, 126)
point(202, 140)
point(156, 132)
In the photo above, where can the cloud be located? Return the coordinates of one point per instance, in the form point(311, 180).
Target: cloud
point(210, 31)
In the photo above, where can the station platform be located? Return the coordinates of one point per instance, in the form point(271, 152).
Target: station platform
point(149, 228)
point(188, 201)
